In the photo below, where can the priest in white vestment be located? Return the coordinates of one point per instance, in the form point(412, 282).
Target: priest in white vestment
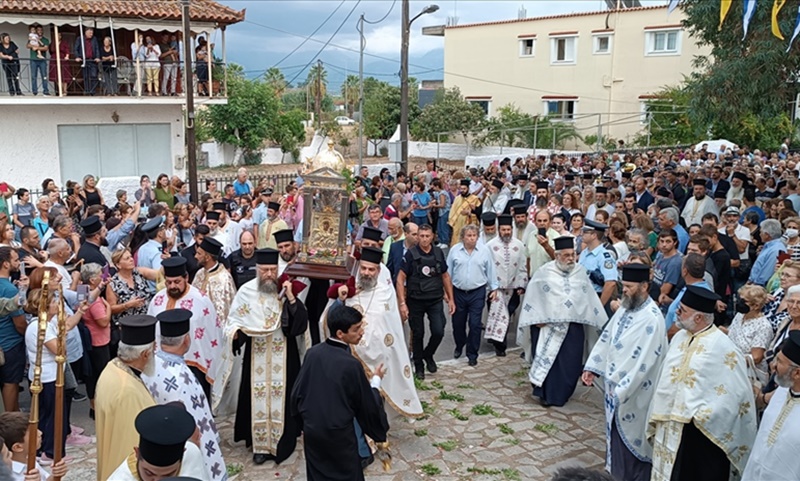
point(556, 312)
point(497, 198)
point(383, 341)
point(628, 357)
point(206, 325)
point(702, 421)
point(174, 382)
point(228, 231)
point(774, 456)
point(164, 447)
point(699, 204)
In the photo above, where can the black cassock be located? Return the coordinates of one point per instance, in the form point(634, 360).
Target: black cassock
point(294, 321)
point(330, 392)
point(561, 381)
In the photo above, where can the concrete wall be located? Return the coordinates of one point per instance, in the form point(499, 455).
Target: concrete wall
point(29, 148)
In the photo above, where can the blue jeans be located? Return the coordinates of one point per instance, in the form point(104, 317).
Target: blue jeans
point(420, 220)
point(363, 447)
point(469, 311)
point(443, 229)
point(38, 66)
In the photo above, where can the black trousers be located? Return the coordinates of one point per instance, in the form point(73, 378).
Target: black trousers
point(99, 356)
point(416, 320)
point(699, 459)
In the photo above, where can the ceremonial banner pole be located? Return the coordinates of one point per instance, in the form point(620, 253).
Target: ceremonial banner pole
point(36, 384)
point(61, 358)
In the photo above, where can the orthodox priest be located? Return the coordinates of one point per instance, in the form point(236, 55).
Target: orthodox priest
point(272, 224)
point(164, 448)
point(383, 341)
point(628, 356)
point(213, 280)
point(228, 231)
point(261, 319)
point(558, 308)
point(703, 417)
point(462, 212)
point(121, 395)
point(206, 331)
point(331, 392)
point(511, 278)
point(774, 455)
point(174, 382)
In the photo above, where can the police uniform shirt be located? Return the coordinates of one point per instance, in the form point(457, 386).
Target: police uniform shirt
point(601, 261)
point(242, 269)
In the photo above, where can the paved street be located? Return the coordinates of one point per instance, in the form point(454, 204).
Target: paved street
point(504, 434)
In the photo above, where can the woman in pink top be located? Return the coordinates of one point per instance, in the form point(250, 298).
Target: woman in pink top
point(98, 321)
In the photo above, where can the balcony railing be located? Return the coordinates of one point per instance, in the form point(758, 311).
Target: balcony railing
point(123, 77)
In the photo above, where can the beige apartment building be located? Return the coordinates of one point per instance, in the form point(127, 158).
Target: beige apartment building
point(594, 68)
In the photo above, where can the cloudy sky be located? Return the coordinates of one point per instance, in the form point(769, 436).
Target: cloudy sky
point(274, 30)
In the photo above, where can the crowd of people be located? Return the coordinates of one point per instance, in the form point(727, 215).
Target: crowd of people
point(154, 60)
point(669, 279)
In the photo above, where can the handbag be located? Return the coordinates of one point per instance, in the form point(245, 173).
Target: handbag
point(758, 377)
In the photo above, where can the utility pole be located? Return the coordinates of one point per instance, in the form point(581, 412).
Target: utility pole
point(361, 93)
point(318, 95)
point(191, 147)
point(405, 31)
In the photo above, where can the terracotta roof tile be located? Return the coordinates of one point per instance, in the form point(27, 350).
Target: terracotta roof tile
point(563, 15)
point(200, 10)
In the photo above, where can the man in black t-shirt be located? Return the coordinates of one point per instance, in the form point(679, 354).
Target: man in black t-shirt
point(722, 262)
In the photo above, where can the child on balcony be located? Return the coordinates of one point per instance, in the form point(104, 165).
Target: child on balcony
point(34, 41)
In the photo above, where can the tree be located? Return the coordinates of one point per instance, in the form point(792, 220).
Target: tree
point(317, 82)
point(381, 114)
point(350, 92)
point(275, 79)
point(288, 131)
point(515, 128)
point(668, 121)
point(743, 89)
point(245, 120)
point(449, 112)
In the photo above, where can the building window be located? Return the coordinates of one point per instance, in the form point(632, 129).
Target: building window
point(527, 47)
point(486, 105)
point(563, 50)
point(560, 109)
point(664, 42)
point(602, 44)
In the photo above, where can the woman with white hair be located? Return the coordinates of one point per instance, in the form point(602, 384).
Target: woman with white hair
point(776, 309)
point(750, 329)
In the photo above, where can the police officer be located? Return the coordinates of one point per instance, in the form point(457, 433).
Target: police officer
point(599, 263)
point(243, 260)
point(424, 277)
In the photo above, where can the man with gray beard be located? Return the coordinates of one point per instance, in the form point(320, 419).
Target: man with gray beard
point(558, 307)
point(262, 317)
point(628, 357)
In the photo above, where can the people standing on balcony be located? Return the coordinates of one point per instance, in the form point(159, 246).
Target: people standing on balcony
point(87, 51)
point(201, 66)
point(109, 68)
point(152, 67)
point(9, 58)
point(138, 58)
point(91, 194)
point(64, 54)
point(164, 191)
point(38, 46)
point(170, 60)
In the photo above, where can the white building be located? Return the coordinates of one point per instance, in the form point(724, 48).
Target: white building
point(69, 134)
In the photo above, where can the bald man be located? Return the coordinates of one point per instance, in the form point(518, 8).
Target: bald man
point(396, 234)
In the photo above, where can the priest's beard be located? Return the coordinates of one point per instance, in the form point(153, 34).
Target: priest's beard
point(267, 287)
point(521, 226)
point(565, 266)
point(541, 202)
point(634, 301)
point(214, 231)
point(287, 255)
point(489, 237)
point(176, 293)
point(735, 193)
point(150, 368)
point(366, 283)
point(601, 203)
point(505, 238)
point(699, 196)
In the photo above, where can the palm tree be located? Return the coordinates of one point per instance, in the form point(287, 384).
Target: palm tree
point(275, 79)
point(350, 92)
point(317, 78)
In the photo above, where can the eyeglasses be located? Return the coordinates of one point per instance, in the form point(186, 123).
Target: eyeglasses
point(786, 275)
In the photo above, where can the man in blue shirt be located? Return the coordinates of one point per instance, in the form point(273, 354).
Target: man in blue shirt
point(12, 331)
point(764, 266)
point(151, 252)
point(692, 274)
point(242, 186)
point(472, 272)
point(599, 263)
point(669, 218)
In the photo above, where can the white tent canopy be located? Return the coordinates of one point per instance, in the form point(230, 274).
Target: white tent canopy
point(715, 145)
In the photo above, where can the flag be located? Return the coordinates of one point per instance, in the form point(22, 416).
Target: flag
point(796, 30)
point(724, 6)
point(776, 8)
point(673, 4)
point(749, 11)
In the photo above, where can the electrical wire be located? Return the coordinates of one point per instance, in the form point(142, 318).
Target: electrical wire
point(384, 17)
point(312, 34)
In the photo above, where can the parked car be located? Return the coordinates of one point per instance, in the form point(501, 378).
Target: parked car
point(342, 120)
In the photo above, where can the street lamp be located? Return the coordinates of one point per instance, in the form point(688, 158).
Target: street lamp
point(406, 29)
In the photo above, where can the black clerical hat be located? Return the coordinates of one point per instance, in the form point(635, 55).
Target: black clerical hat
point(498, 183)
point(220, 206)
point(174, 322)
point(720, 194)
point(741, 176)
point(627, 175)
point(91, 225)
point(372, 233)
point(267, 257)
point(505, 220)
point(371, 254)
point(542, 185)
point(635, 273)
point(600, 189)
point(163, 432)
point(700, 299)
point(588, 176)
point(274, 206)
point(648, 174)
point(699, 182)
point(569, 177)
point(564, 242)
point(519, 209)
point(283, 235)
point(791, 346)
point(174, 266)
point(212, 215)
point(488, 218)
point(212, 246)
point(138, 330)
point(522, 177)
point(466, 182)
